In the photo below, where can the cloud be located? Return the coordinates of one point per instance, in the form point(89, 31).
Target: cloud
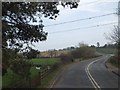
point(95, 5)
point(88, 1)
point(89, 8)
point(89, 5)
point(109, 0)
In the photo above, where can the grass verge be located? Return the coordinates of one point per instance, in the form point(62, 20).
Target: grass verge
point(115, 61)
point(10, 78)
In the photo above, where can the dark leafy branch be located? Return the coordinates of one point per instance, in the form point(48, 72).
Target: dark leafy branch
point(18, 26)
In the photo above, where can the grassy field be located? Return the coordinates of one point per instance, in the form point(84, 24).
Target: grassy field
point(8, 78)
point(45, 61)
point(107, 50)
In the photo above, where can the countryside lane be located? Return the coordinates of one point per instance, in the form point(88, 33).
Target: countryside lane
point(77, 75)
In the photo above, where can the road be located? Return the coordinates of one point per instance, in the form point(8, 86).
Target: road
point(87, 74)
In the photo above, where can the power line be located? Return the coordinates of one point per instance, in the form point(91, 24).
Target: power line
point(84, 27)
point(81, 19)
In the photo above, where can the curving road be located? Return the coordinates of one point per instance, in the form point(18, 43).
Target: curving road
point(87, 74)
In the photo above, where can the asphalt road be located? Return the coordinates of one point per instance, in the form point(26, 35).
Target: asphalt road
point(87, 74)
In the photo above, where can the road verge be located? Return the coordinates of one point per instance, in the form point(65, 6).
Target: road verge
point(112, 68)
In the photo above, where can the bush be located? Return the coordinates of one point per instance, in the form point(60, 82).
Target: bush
point(21, 67)
point(83, 52)
point(65, 58)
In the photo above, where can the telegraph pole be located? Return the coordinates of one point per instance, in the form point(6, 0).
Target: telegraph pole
point(119, 15)
point(119, 34)
point(118, 26)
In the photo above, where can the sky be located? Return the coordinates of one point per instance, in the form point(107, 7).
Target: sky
point(65, 35)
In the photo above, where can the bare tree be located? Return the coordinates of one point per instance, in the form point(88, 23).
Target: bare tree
point(115, 35)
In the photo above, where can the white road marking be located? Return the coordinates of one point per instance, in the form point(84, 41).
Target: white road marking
point(94, 83)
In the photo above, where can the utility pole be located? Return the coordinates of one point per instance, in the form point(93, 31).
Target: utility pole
point(119, 32)
point(119, 24)
point(119, 15)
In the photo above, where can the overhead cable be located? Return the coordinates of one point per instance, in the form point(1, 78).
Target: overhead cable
point(81, 19)
point(99, 25)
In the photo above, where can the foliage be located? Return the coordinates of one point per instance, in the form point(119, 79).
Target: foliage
point(83, 52)
point(10, 75)
point(31, 54)
point(10, 78)
point(21, 67)
point(18, 16)
point(110, 46)
point(67, 49)
point(76, 53)
point(98, 44)
point(65, 58)
point(7, 78)
point(7, 56)
point(18, 24)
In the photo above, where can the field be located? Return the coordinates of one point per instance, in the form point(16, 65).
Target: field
point(107, 50)
point(45, 61)
point(10, 77)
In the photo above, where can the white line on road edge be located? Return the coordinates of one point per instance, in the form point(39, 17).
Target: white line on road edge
point(94, 83)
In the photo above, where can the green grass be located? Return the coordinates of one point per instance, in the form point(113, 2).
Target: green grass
point(0, 81)
point(107, 50)
point(8, 78)
point(47, 79)
point(114, 61)
point(45, 61)
point(34, 72)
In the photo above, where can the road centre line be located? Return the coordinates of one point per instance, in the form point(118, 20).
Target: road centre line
point(94, 83)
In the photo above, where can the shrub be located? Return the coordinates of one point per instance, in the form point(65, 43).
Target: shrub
point(21, 67)
point(83, 52)
point(66, 58)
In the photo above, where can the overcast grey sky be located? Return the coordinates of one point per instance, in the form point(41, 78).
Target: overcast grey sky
point(87, 8)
